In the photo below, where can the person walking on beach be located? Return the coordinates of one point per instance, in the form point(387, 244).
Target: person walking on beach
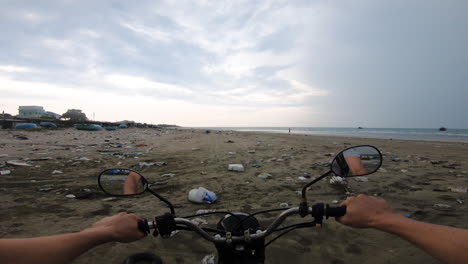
point(448, 244)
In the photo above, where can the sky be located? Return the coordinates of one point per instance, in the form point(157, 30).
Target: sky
point(240, 63)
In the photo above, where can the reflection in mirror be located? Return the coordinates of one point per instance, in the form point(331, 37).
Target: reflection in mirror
point(122, 182)
point(357, 161)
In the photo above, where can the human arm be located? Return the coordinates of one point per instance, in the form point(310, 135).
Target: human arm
point(447, 244)
point(131, 183)
point(64, 248)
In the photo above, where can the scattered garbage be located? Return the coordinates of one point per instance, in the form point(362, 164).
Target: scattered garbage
point(204, 211)
point(18, 163)
point(284, 205)
point(82, 159)
point(195, 149)
point(199, 221)
point(306, 175)
point(442, 206)
point(337, 180)
point(57, 172)
point(404, 171)
point(256, 166)
point(141, 145)
point(251, 151)
point(168, 175)
point(361, 179)
point(301, 178)
point(209, 259)
point(231, 153)
point(149, 164)
point(201, 195)
point(70, 196)
point(109, 199)
point(236, 167)
point(458, 190)
point(264, 175)
point(229, 141)
point(460, 201)
point(45, 188)
point(21, 137)
point(5, 172)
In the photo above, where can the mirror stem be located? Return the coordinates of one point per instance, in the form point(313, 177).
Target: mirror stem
point(171, 207)
point(304, 189)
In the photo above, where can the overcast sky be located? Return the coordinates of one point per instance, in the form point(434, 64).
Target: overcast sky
point(240, 63)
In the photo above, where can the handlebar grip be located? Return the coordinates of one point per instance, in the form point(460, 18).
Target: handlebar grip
point(335, 211)
point(143, 226)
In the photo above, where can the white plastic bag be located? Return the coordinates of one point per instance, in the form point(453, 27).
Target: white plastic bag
point(236, 167)
point(201, 195)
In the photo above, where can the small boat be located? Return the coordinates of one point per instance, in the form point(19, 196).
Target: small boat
point(48, 125)
point(26, 126)
point(123, 126)
point(88, 127)
point(359, 128)
point(442, 129)
point(110, 128)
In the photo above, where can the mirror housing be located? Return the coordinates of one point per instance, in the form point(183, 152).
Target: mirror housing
point(357, 161)
point(122, 182)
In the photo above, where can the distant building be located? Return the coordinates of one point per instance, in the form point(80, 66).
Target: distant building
point(52, 114)
point(31, 111)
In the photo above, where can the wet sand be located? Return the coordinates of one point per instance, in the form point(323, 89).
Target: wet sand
point(34, 203)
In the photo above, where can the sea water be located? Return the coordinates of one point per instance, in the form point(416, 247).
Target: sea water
point(397, 133)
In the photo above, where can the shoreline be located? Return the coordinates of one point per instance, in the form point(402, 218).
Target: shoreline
point(337, 136)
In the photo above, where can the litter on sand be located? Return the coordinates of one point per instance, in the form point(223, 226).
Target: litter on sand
point(201, 195)
point(236, 167)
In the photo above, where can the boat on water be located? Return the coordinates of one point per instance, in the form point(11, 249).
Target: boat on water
point(88, 127)
point(442, 129)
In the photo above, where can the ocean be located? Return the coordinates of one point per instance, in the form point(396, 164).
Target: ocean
point(394, 133)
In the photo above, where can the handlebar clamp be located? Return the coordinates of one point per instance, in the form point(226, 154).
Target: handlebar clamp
point(165, 224)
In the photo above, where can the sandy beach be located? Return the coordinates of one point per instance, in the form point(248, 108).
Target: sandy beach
point(414, 176)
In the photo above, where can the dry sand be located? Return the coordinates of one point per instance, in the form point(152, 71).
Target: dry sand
point(412, 185)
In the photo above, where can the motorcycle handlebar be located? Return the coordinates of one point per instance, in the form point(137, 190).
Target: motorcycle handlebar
point(333, 211)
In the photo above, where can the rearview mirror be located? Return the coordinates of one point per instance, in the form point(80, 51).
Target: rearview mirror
point(357, 161)
point(122, 182)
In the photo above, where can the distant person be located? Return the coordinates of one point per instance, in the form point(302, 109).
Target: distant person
point(289, 131)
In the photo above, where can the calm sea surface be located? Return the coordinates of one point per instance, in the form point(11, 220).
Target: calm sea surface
point(397, 133)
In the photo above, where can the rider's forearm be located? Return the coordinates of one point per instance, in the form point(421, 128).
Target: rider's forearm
point(51, 249)
point(447, 244)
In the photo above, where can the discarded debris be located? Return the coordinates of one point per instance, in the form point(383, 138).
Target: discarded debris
point(251, 151)
point(21, 137)
point(236, 167)
point(5, 172)
point(109, 199)
point(168, 175)
point(82, 159)
point(404, 171)
point(229, 141)
point(264, 175)
point(337, 180)
point(201, 195)
point(442, 206)
point(231, 153)
point(458, 190)
point(70, 196)
point(200, 221)
point(18, 163)
point(256, 166)
point(57, 172)
point(209, 259)
point(205, 211)
point(195, 149)
point(284, 205)
point(141, 145)
point(361, 179)
point(45, 188)
point(149, 164)
point(301, 178)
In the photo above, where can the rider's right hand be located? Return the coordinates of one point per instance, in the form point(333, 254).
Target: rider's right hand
point(365, 211)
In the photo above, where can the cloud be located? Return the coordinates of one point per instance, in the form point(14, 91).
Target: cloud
point(321, 61)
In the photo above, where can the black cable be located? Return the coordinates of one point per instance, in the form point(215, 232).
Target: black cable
point(206, 229)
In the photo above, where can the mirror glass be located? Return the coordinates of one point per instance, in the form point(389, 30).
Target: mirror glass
point(122, 182)
point(357, 161)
